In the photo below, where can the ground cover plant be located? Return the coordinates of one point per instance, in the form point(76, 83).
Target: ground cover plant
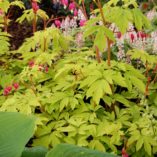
point(81, 91)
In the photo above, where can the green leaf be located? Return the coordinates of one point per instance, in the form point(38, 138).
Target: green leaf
point(16, 130)
point(139, 144)
point(100, 39)
point(147, 147)
point(34, 152)
point(68, 150)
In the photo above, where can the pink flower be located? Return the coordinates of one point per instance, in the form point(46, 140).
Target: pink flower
point(75, 12)
point(124, 153)
point(1, 12)
point(40, 67)
point(72, 6)
point(132, 37)
point(138, 34)
point(35, 6)
point(7, 90)
point(31, 64)
point(57, 23)
point(119, 35)
point(64, 3)
point(82, 22)
point(143, 35)
point(16, 86)
point(46, 69)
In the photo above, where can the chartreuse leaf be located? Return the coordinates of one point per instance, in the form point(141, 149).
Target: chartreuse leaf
point(16, 130)
point(139, 144)
point(68, 150)
point(147, 147)
point(140, 20)
point(100, 39)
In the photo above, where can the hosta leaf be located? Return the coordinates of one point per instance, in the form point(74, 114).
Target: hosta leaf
point(16, 130)
point(67, 150)
point(34, 152)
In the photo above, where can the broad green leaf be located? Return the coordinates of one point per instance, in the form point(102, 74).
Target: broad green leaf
point(75, 151)
point(16, 130)
point(35, 152)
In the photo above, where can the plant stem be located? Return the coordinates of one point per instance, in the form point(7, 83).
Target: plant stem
point(98, 3)
point(98, 54)
point(34, 23)
point(5, 24)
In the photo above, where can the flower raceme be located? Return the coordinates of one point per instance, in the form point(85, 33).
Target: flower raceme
point(7, 90)
point(35, 6)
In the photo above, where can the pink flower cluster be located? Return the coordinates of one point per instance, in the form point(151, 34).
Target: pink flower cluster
point(70, 5)
point(35, 6)
point(7, 90)
point(138, 35)
point(41, 67)
point(1, 12)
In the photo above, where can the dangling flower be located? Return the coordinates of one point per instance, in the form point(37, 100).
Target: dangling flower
point(72, 6)
point(7, 90)
point(1, 12)
point(31, 64)
point(124, 153)
point(57, 23)
point(132, 37)
point(82, 23)
point(119, 35)
point(75, 12)
point(138, 34)
point(64, 3)
point(35, 6)
point(16, 86)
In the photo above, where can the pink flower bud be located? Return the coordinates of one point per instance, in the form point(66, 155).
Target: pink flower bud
point(35, 6)
point(82, 22)
point(132, 37)
point(124, 153)
point(7, 90)
point(31, 64)
point(46, 69)
point(75, 12)
point(72, 6)
point(57, 23)
point(119, 35)
point(138, 34)
point(41, 67)
point(1, 12)
point(64, 3)
point(16, 86)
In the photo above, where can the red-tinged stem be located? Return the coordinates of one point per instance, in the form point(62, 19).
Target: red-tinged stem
point(98, 3)
point(53, 19)
point(5, 23)
point(34, 23)
point(84, 9)
point(98, 54)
